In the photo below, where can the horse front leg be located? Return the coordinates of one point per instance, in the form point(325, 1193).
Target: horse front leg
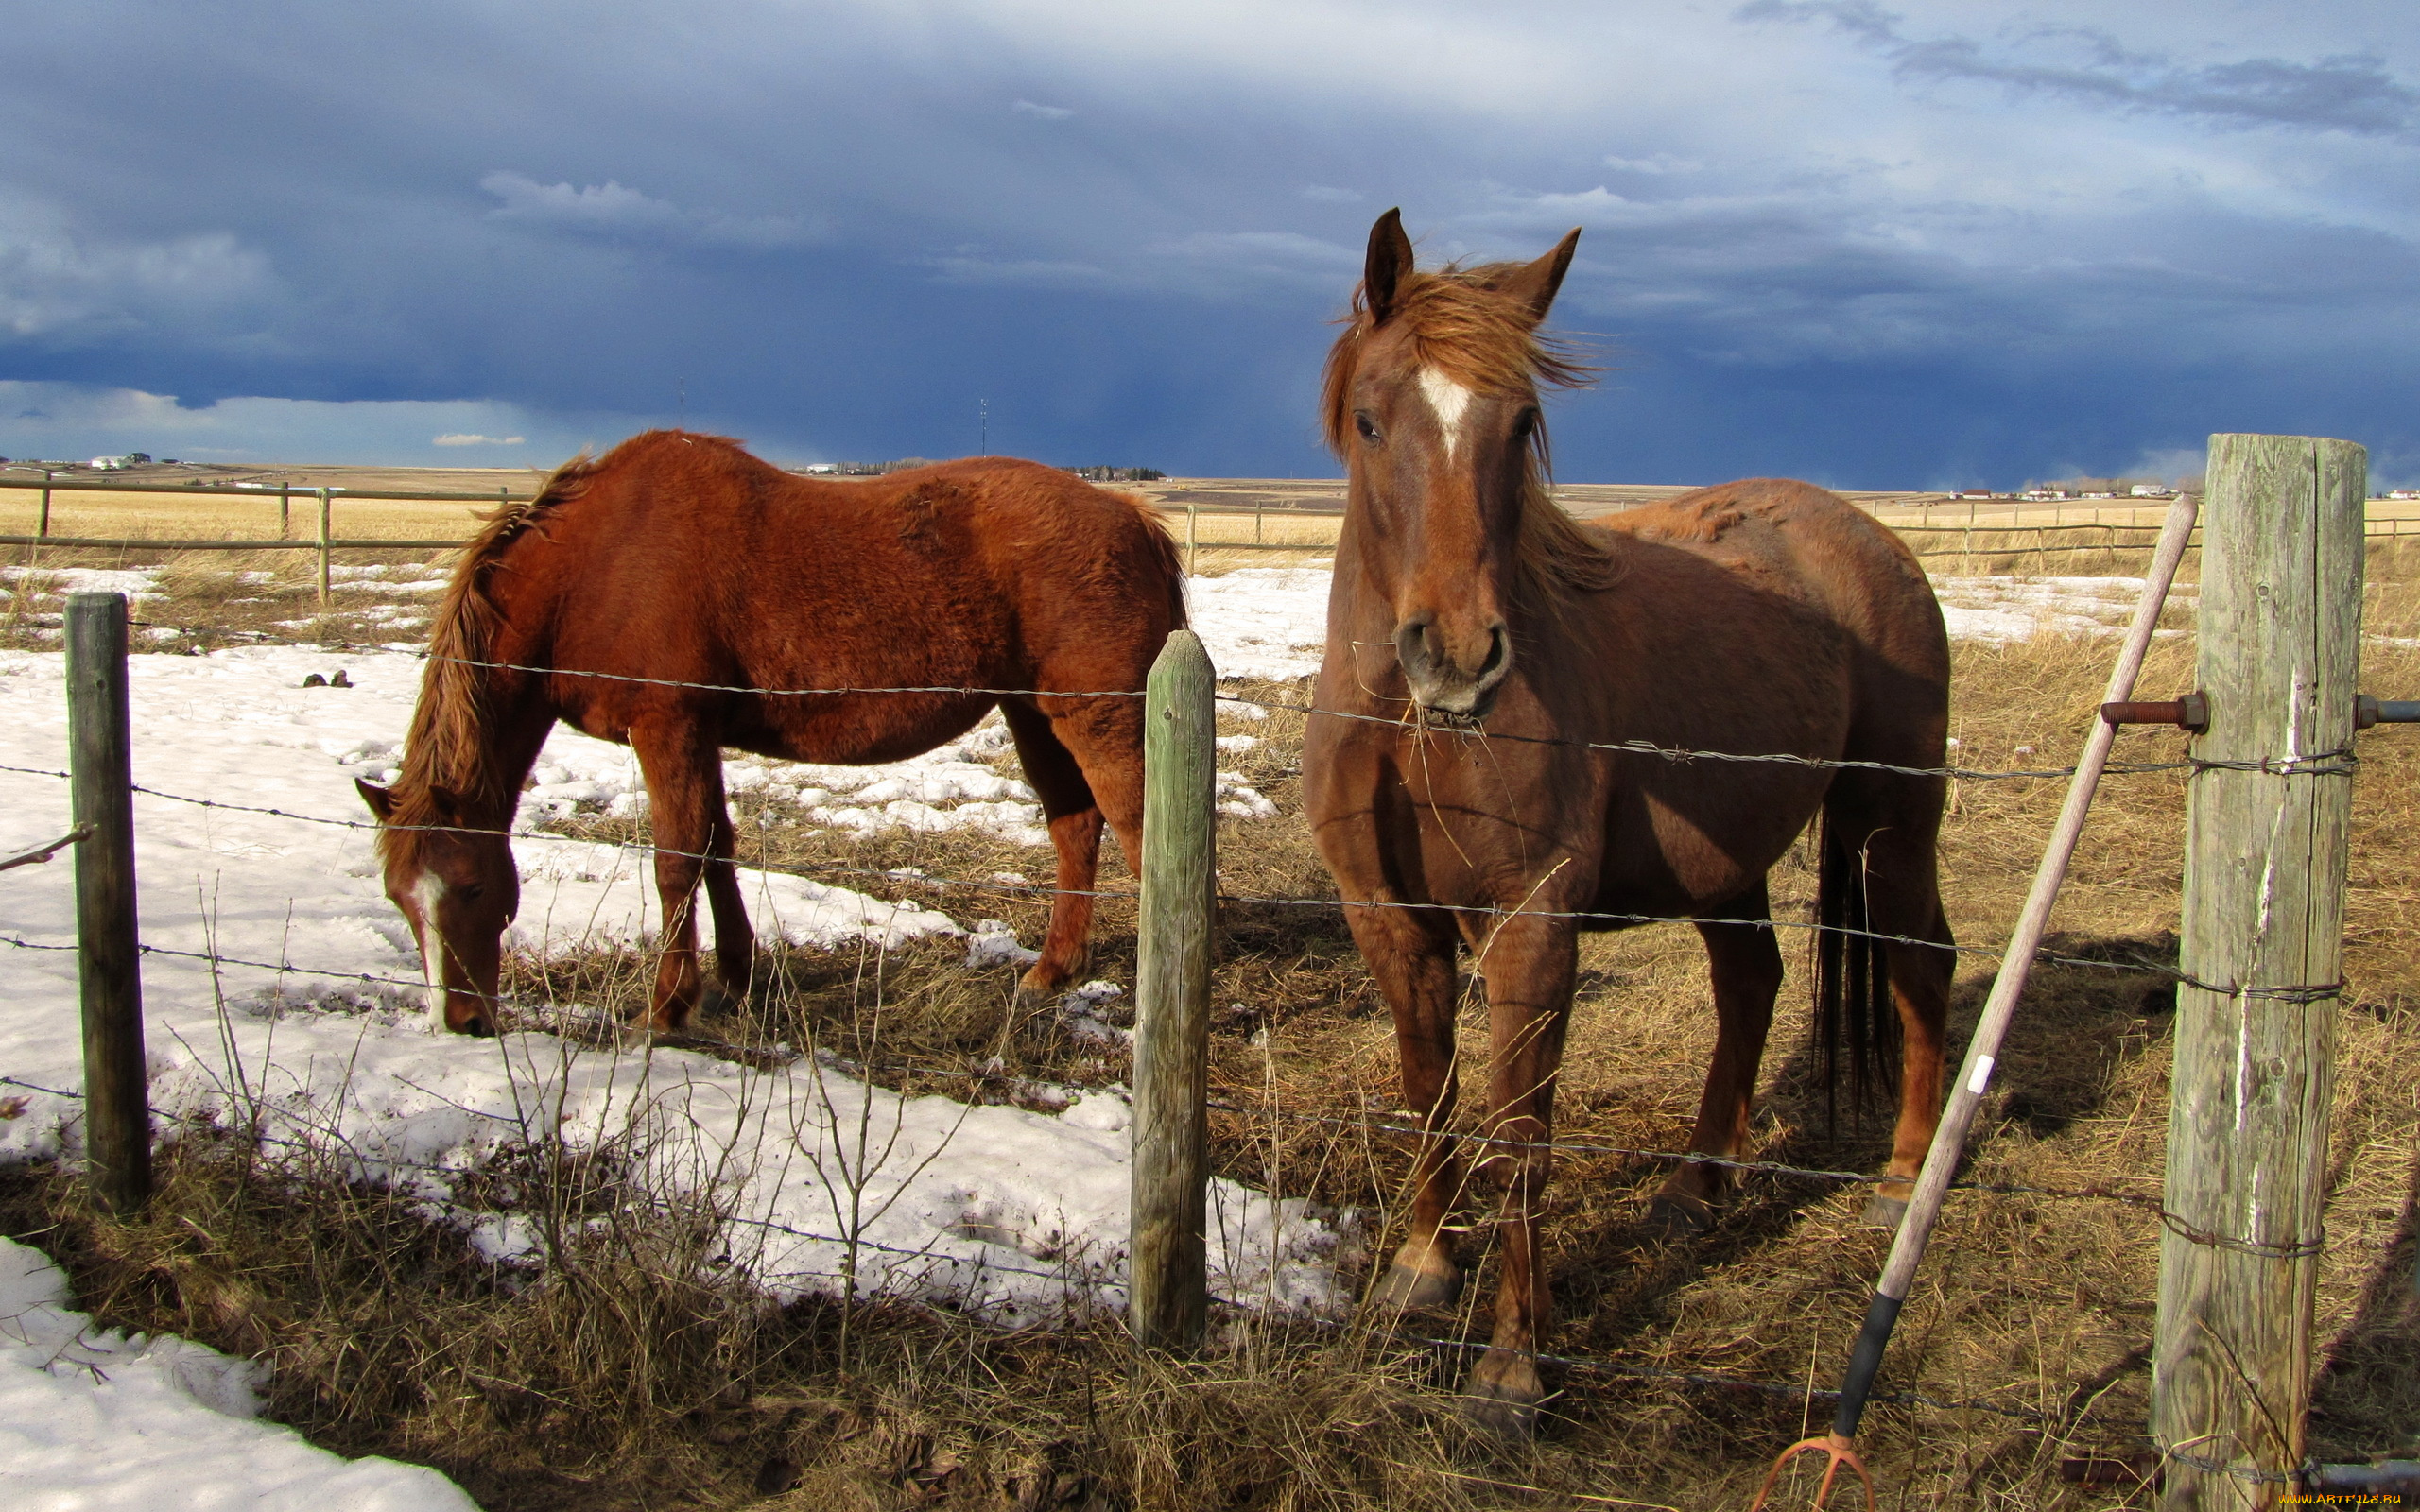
point(1529, 963)
point(1410, 956)
point(683, 776)
point(1745, 964)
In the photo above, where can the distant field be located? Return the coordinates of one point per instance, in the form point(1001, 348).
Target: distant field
point(1216, 512)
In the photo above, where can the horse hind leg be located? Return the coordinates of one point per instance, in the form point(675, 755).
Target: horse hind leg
point(735, 940)
point(1919, 981)
point(1074, 823)
point(1894, 858)
point(1745, 963)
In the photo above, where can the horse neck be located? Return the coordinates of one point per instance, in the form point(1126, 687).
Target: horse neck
point(481, 750)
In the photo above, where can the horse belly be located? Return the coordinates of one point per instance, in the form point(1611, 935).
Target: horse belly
point(1675, 854)
point(859, 730)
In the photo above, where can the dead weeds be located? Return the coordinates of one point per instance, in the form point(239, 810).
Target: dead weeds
point(637, 1371)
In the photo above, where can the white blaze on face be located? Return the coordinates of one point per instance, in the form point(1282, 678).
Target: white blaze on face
point(427, 892)
point(1449, 400)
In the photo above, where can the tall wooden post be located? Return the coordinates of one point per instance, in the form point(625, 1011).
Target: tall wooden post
point(42, 528)
point(284, 511)
point(1168, 1262)
point(323, 551)
point(2264, 903)
point(117, 1114)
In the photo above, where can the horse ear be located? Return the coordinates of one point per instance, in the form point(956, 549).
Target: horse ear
point(381, 799)
point(1537, 283)
point(1389, 259)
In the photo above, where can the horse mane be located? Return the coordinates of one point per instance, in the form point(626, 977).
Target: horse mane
point(444, 747)
point(1461, 323)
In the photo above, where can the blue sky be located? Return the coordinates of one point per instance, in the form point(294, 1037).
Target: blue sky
point(1891, 246)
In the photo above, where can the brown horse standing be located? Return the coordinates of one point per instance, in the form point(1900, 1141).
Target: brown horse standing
point(1759, 617)
point(682, 558)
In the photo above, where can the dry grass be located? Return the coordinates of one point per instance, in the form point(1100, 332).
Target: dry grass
point(217, 599)
point(638, 1373)
point(234, 517)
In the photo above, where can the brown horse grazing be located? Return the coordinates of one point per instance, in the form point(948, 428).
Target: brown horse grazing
point(683, 559)
point(1759, 617)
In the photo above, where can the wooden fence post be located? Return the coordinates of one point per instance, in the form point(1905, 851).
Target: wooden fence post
point(2264, 905)
point(43, 528)
point(117, 1113)
point(1167, 1264)
point(285, 511)
point(323, 551)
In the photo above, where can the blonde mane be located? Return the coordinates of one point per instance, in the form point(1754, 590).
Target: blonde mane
point(444, 747)
point(1461, 323)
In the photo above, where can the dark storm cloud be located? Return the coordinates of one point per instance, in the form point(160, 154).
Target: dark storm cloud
point(2351, 92)
point(835, 228)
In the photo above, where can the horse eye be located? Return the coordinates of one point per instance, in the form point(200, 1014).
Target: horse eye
point(473, 890)
point(1524, 424)
point(1368, 427)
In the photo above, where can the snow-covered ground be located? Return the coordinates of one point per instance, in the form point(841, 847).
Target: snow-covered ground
point(94, 1420)
point(1005, 1210)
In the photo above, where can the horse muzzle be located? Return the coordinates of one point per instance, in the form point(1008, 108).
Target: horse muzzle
point(1453, 677)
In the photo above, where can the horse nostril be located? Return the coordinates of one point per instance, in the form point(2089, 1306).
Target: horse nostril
point(1415, 646)
point(1499, 646)
point(477, 1028)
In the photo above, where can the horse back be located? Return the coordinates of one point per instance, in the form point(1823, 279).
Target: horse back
point(684, 559)
point(1847, 575)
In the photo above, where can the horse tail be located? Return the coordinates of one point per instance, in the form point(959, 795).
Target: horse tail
point(1160, 540)
point(1854, 1019)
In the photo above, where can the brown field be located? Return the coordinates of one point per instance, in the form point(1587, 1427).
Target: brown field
point(641, 1377)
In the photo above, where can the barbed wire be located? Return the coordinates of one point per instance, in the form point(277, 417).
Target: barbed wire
point(2330, 763)
point(896, 877)
point(1410, 721)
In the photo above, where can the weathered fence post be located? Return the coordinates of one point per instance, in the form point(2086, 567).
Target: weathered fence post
point(1168, 1264)
point(323, 551)
point(43, 528)
point(2264, 904)
point(1192, 533)
point(117, 1114)
point(285, 511)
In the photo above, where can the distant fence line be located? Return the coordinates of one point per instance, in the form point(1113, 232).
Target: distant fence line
point(324, 542)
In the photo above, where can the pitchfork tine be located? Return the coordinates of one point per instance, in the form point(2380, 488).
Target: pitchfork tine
point(1841, 1452)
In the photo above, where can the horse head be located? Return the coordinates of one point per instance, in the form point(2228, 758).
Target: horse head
point(455, 884)
point(1431, 399)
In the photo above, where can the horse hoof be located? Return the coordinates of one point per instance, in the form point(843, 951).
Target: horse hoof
point(1674, 1217)
point(1501, 1399)
point(1407, 1289)
point(1032, 999)
point(1882, 1212)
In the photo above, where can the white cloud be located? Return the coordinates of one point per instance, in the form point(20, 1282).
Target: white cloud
point(1323, 195)
point(611, 210)
point(1660, 162)
point(61, 420)
point(1046, 113)
point(1032, 272)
